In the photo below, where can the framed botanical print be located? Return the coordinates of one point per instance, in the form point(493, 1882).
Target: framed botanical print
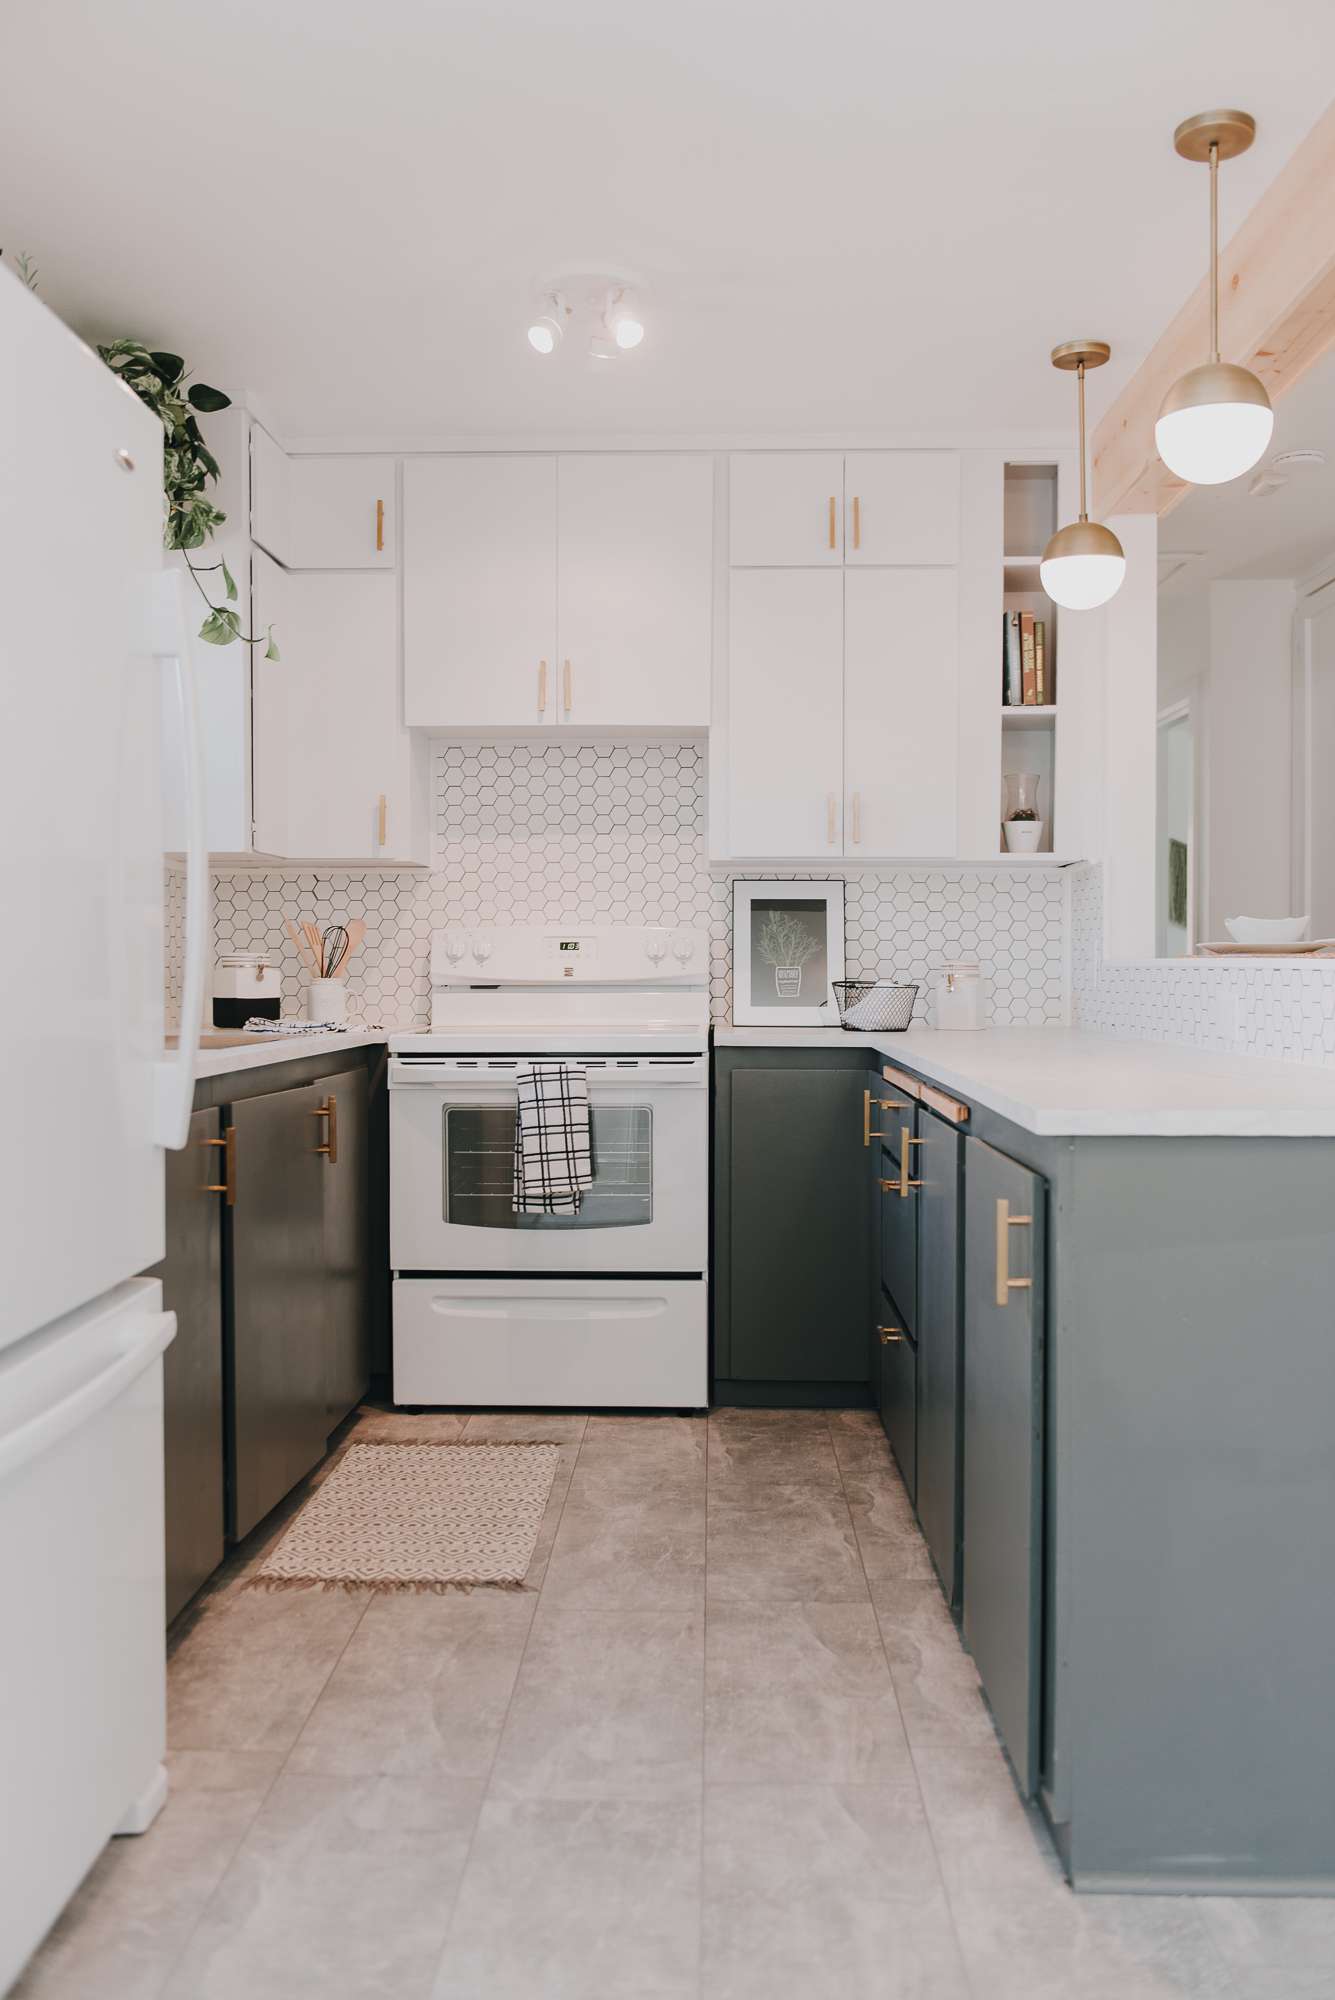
point(787, 947)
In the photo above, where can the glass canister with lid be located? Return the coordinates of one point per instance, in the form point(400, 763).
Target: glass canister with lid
point(959, 997)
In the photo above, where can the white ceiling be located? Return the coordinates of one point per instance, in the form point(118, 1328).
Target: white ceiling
point(1228, 531)
point(864, 217)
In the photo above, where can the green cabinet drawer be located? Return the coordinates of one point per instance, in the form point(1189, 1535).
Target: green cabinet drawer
point(897, 1392)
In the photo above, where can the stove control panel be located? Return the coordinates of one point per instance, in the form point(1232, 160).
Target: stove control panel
point(595, 954)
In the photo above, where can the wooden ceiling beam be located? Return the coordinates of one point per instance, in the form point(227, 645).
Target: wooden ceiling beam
point(1276, 316)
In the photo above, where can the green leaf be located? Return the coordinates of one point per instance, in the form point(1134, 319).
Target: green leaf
point(229, 581)
point(216, 630)
point(168, 366)
point(271, 651)
point(201, 397)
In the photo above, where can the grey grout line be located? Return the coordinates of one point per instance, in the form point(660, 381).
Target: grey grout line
point(485, 1792)
point(704, 1727)
point(908, 1741)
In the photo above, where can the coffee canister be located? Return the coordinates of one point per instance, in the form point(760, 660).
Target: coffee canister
point(958, 997)
point(246, 985)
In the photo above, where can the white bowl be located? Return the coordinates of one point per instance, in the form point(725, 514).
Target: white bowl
point(1267, 930)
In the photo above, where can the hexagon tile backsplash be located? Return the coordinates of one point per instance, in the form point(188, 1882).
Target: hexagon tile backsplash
point(1233, 1007)
point(615, 832)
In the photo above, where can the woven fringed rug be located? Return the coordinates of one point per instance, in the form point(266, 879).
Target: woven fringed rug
point(415, 1516)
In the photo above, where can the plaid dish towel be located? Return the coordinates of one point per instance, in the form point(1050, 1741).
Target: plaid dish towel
point(553, 1160)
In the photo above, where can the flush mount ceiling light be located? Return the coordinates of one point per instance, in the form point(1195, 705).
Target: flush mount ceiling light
point(604, 309)
point(1083, 565)
point(1216, 420)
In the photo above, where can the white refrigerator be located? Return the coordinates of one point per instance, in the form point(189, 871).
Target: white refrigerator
point(89, 630)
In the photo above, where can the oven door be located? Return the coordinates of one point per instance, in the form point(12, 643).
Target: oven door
point(452, 1132)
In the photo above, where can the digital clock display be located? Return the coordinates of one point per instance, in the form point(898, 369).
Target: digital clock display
point(568, 944)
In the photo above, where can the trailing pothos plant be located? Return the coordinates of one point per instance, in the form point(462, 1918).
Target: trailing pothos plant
point(188, 467)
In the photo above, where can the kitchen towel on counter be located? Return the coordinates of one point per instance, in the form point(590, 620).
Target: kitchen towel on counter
point(553, 1159)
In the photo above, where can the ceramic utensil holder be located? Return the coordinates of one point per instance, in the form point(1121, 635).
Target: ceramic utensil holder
point(327, 1000)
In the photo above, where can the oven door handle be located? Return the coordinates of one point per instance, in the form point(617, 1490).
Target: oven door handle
point(425, 1076)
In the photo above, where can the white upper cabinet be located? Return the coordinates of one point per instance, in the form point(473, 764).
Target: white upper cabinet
point(785, 713)
point(500, 632)
point(635, 590)
point(321, 511)
point(901, 694)
point(901, 507)
point(333, 763)
point(786, 509)
point(479, 592)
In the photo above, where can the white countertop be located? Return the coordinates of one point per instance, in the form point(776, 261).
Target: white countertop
point(1064, 1082)
point(283, 1048)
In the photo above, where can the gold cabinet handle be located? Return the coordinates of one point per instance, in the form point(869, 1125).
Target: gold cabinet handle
point(329, 1110)
point(905, 1184)
point(891, 1336)
point(1005, 1223)
point(830, 804)
point(882, 1104)
point(832, 541)
point(857, 522)
point(565, 689)
point(542, 687)
point(227, 1185)
point(382, 820)
point(380, 524)
point(857, 819)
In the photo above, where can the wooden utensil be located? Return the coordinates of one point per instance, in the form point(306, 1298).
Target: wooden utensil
point(302, 943)
point(356, 929)
point(316, 943)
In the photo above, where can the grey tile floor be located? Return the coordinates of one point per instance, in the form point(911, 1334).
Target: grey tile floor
point(727, 1745)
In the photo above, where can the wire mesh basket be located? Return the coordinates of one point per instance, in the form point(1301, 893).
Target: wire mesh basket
point(874, 1003)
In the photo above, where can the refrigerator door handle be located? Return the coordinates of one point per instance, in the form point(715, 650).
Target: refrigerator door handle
point(175, 1080)
point(45, 1430)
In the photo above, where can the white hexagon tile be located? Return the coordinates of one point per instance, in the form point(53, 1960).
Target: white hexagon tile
point(615, 832)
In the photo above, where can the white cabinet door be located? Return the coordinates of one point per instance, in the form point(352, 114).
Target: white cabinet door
point(786, 509)
point(635, 590)
point(321, 512)
point(333, 766)
point(902, 507)
point(785, 713)
point(479, 592)
point(900, 712)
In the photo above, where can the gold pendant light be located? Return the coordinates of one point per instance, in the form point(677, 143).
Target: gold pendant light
point(1216, 420)
point(1083, 565)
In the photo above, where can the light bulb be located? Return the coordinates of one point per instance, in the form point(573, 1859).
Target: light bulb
point(1083, 566)
point(1215, 424)
point(628, 330)
point(544, 336)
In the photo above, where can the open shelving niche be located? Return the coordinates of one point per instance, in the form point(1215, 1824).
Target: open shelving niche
point(1029, 735)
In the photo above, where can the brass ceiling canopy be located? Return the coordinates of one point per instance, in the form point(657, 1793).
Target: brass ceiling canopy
point(1231, 131)
point(1073, 353)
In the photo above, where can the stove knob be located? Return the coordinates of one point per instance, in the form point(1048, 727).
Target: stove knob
point(482, 949)
point(657, 948)
point(683, 950)
point(456, 944)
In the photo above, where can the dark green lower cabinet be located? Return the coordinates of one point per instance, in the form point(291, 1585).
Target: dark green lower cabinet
point(897, 1392)
point(192, 1368)
point(1005, 1220)
point(939, 1167)
point(792, 1293)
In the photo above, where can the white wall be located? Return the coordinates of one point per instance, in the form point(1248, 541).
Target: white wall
point(1246, 766)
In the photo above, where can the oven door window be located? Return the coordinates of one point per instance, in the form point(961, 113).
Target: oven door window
point(479, 1169)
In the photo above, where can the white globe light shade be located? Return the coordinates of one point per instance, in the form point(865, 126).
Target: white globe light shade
point(1083, 566)
point(544, 336)
point(629, 331)
point(1216, 422)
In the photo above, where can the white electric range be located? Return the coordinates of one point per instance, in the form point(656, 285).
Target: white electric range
point(606, 1308)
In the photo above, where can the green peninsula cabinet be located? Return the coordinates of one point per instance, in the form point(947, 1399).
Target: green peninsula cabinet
point(1142, 1404)
point(793, 1297)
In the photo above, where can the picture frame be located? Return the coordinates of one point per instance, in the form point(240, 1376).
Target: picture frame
point(787, 950)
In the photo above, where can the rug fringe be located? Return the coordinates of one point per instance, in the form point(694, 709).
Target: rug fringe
point(384, 1586)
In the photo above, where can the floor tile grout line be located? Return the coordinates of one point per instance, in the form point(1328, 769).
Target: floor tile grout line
point(704, 1723)
point(908, 1741)
point(484, 1792)
point(249, 1828)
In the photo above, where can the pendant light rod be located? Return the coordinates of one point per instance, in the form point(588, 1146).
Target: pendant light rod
point(1080, 385)
point(1080, 355)
point(1214, 249)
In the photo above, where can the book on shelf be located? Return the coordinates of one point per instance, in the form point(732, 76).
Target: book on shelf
point(1040, 663)
point(1011, 687)
point(1028, 682)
